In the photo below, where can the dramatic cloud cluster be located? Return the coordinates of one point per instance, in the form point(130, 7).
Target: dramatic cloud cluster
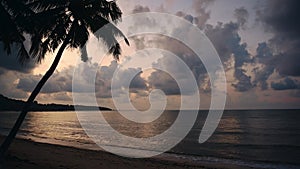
point(200, 7)
point(281, 53)
point(107, 73)
point(270, 67)
point(62, 81)
point(265, 57)
point(202, 14)
point(163, 81)
point(227, 42)
point(59, 81)
point(225, 37)
point(286, 84)
point(242, 15)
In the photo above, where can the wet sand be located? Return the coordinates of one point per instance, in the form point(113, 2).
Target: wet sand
point(26, 154)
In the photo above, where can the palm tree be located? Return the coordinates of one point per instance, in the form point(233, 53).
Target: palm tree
point(12, 13)
point(60, 24)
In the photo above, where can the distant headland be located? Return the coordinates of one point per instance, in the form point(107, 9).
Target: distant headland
point(8, 104)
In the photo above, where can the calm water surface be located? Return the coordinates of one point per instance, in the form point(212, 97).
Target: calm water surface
point(256, 138)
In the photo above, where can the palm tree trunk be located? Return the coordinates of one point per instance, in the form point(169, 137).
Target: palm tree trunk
point(5, 145)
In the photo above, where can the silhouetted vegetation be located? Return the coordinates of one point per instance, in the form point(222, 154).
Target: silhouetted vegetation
point(7, 104)
point(55, 26)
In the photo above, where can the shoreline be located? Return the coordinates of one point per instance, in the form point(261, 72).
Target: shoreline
point(26, 154)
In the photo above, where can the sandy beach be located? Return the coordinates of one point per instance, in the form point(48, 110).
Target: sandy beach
point(26, 154)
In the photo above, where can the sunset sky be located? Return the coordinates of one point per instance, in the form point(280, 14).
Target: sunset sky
point(258, 42)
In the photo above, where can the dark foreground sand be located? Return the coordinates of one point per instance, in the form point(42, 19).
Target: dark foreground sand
point(25, 154)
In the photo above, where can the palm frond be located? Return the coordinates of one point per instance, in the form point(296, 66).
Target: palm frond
point(115, 12)
point(49, 21)
point(11, 32)
point(23, 54)
point(108, 34)
point(79, 35)
point(84, 55)
point(44, 5)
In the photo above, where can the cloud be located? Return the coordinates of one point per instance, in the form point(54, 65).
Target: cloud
point(58, 82)
point(227, 41)
point(8, 80)
point(241, 14)
point(61, 82)
point(288, 64)
point(282, 17)
point(244, 82)
point(106, 74)
point(176, 47)
point(202, 14)
point(163, 81)
point(137, 82)
point(62, 96)
point(264, 56)
point(182, 69)
point(286, 84)
point(224, 36)
point(200, 7)
point(140, 9)
point(283, 20)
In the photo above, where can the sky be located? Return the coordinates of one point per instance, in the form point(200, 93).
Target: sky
point(257, 41)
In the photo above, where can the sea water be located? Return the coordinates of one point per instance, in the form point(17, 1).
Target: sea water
point(254, 138)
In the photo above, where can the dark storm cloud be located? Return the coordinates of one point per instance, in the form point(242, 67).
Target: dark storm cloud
point(286, 84)
point(224, 36)
point(264, 55)
point(283, 20)
point(200, 7)
point(140, 9)
point(244, 82)
point(282, 17)
point(160, 80)
point(241, 14)
point(163, 81)
point(138, 82)
point(189, 18)
point(106, 73)
point(264, 52)
point(288, 64)
point(227, 41)
point(202, 14)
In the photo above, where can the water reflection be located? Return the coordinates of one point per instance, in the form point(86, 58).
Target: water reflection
point(141, 130)
point(228, 131)
point(252, 135)
point(55, 126)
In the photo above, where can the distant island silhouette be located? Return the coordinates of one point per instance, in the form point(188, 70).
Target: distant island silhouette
point(8, 104)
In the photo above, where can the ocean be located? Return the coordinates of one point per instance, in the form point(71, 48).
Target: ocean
point(253, 138)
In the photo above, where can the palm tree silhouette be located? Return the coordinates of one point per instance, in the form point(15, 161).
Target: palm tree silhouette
point(12, 14)
point(58, 25)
